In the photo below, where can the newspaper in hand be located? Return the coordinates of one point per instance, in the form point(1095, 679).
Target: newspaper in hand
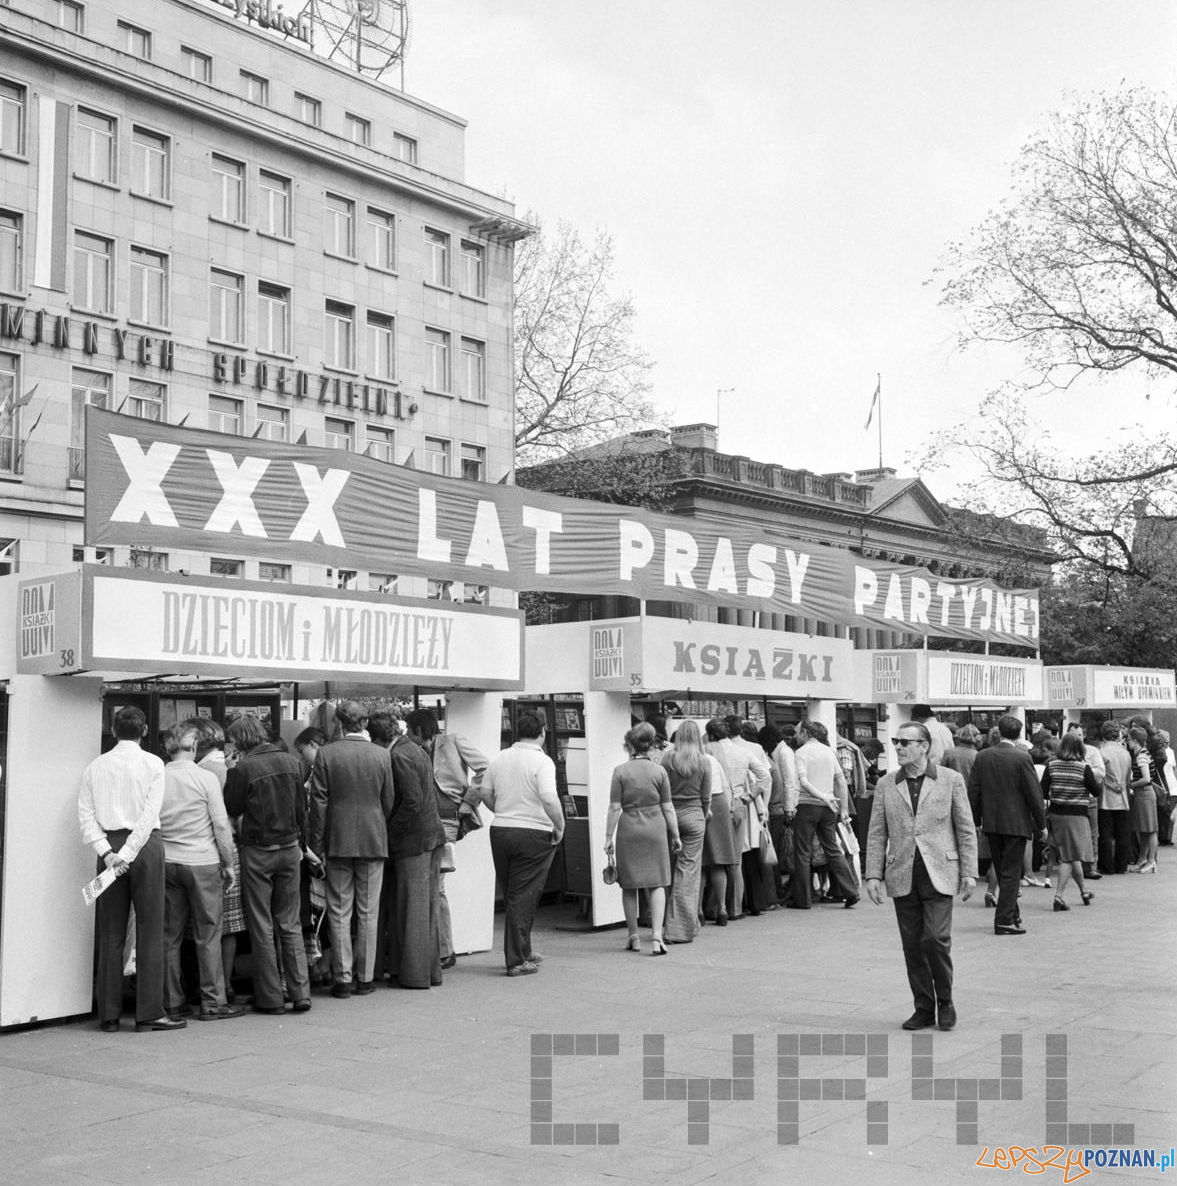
point(93, 889)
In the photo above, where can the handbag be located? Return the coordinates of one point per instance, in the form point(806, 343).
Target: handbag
point(768, 854)
point(609, 874)
point(787, 854)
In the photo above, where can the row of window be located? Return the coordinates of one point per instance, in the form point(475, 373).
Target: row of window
point(148, 273)
point(340, 578)
point(148, 400)
point(197, 64)
point(96, 158)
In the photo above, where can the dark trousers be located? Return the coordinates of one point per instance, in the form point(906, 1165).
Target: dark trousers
point(1115, 841)
point(269, 893)
point(1007, 853)
point(812, 818)
point(776, 829)
point(925, 928)
point(194, 892)
point(141, 886)
point(755, 891)
point(861, 825)
point(522, 857)
point(415, 936)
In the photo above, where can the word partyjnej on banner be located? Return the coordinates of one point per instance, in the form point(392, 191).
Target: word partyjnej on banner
point(157, 485)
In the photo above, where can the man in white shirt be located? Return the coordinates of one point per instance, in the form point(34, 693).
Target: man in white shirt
point(821, 800)
point(940, 733)
point(519, 786)
point(118, 810)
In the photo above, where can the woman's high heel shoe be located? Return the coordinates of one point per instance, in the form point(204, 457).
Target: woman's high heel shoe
point(657, 947)
point(721, 920)
point(633, 943)
point(1148, 867)
point(1087, 895)
point(1059, 904)
point(990, 900)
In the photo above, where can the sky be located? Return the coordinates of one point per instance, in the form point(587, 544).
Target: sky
point(780, 179)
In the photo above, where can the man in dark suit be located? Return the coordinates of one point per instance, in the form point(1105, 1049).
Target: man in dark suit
point(1006, 798)
point(351, 801)
point(410, 925)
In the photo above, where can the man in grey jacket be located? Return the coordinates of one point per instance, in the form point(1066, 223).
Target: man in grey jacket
point(923, 843)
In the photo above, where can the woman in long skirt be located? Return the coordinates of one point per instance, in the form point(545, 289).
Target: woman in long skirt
point(690, 793)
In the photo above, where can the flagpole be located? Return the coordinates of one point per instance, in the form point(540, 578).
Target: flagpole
point(879, 389)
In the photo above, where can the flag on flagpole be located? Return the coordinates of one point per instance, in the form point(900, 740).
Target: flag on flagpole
point(873, 403)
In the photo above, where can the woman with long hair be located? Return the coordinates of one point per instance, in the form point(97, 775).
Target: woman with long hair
point(1068, 782)
point(642, 815)
point(690, 791)
point(721, 851)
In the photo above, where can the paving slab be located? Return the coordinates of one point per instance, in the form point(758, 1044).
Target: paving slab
point(611, 1068)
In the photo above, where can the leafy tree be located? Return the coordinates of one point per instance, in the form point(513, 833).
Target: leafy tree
point(1079, 270)
point(579, 376)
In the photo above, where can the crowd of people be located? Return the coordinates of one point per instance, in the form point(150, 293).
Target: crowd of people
point(238, 833)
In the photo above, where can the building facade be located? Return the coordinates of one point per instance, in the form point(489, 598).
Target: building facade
point(873, 513)
point(204, 222)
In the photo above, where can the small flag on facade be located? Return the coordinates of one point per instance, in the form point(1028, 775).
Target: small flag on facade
point(873, 403)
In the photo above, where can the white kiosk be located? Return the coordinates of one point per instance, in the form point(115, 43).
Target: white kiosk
point(1122, 691)
point(900, 679)
point(612, 661)
point(77, 629)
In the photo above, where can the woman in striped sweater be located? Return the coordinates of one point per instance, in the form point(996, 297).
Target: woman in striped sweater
point(1068, 782)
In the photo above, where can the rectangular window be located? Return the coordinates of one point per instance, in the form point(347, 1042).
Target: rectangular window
point(89, 389)
point(339, 236)
point(273, 318)
point(93, 273)
point(196, 64)
point(381, 358)
point(474, 463)
point(310, 111)
point(150, 163)
point(135, 40)
point(95, 144)
point(437, 372)
point(345, 578)
point(473, 279)
point(266, 571)
point(381, 239)
point(438, 267)
point(473, 370)
point(255, 88)
point(359, 130)
point(339, 342)
point(382, 582)
point(11, 251)
point(71, 16)
point(228, 200)
point(437, 456)
point(224, 414)
point(10, 423)
point(146, 400)
point(219, 566)
point(273, 423)
point(274, 203)
point(404, 147)
point(226, 307)
point(149, 286)
point(12, 118)
point(381, 443)
point(148, 558)
point(339, 434)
